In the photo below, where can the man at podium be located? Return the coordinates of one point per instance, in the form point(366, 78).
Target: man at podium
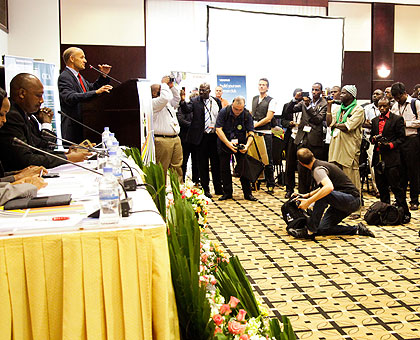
point(74, 89)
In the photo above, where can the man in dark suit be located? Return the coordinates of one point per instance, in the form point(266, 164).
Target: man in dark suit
point(388, 135)
point(310, 131)
point(290, 120)
point(202, 134)
point(26, 94)
point(74, 89)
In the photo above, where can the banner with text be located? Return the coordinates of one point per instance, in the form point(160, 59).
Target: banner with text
point(233, 86)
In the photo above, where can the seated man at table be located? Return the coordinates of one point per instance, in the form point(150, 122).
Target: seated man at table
point(26, 182)
point(26, 98)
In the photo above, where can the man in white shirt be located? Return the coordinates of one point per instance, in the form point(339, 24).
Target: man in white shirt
point(165, 101)
point(409, 109)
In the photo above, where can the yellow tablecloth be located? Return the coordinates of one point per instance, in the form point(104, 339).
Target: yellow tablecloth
point(87, 285)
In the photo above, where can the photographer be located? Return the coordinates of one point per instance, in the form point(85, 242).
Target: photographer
point(387, 135)
point(165, 101)
point(234, 127)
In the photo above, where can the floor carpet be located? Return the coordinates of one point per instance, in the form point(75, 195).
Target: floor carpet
point(336, 287)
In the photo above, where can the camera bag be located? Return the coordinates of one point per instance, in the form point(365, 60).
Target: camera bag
point(380, 213)
point(295, 218)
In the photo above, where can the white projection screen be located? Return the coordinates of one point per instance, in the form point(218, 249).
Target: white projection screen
point(290, 51)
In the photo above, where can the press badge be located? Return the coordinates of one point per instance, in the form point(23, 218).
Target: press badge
point(307, 128)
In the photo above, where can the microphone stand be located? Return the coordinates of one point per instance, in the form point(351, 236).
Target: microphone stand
point(125, 203)
point(104, 74)
point(80, 123)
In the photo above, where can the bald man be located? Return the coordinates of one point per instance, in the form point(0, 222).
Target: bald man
point(26, 94)
point(74, 89)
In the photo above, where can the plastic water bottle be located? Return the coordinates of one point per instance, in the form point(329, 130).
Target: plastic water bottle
point(105, 136)
point(114, 162)
point(109, 198)
point(111, 140)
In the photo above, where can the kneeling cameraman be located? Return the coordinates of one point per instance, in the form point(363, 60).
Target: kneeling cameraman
point(235, 128)
point(387, 134)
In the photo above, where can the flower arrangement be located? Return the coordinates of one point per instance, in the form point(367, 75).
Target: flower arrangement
point(203, 278)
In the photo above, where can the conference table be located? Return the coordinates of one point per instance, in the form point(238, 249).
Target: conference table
point(73, 278)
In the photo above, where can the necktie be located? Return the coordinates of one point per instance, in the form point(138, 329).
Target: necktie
point(81, 82)
point(207, 119)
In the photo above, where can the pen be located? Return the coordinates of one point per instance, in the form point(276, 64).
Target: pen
point(40, 175)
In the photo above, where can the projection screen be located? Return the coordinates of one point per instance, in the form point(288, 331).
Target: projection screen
point(290, 50)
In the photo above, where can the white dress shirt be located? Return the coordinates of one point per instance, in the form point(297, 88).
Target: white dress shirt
point(164, 114)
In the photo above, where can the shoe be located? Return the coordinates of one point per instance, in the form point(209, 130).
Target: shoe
point(364, 231)
point(270, 190)
point(407, 219)
point(288, 194)
point(207, 193)
point(225, 197)
point(417, 249)
point(414, 206)
point(301, 233)
point(250, 198)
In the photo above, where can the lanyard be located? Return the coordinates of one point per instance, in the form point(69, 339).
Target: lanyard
point(399, 109)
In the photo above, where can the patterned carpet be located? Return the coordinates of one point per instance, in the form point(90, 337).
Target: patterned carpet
point(337, 287)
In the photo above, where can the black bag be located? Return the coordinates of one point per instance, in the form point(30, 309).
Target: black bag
point(249, 167)
point(380, 213)
point(294, 217)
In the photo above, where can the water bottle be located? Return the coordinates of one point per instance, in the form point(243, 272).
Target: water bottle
point(109, 198)
point(114, 162)
point(111, 140)
point(105, 136)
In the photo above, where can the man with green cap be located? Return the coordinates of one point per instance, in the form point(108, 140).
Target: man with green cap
point(346, 134)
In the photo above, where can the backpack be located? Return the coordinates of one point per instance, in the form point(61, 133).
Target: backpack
point(294, 217)
point(380, 213)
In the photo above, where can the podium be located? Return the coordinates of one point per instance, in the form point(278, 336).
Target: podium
point(120, 110)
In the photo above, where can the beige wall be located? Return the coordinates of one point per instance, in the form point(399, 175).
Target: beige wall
point(103, 22)
point(407, 33)
point(357, 24)
point(34, 30)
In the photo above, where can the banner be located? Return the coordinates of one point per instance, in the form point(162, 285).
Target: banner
point(233, 86)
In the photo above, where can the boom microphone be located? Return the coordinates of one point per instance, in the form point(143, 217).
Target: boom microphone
point(104, 74)
point(75, 120)
point(125, 203)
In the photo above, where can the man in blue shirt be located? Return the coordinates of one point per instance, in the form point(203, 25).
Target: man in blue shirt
point(235, 128)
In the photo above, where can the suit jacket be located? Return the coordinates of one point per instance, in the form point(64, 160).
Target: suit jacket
point(184, 120)
point(43, 139)
point(15, 157)
point(71, 97)
point(312, 117)
point(394, 132)
point(9, 191)
point(196, 107)
point(286, 117)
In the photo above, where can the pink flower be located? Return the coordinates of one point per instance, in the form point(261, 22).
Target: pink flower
point(236, 327)
point(213, 282)
point(225, 309)
point(204, 257)
point(244, 337)
point(241, 315)
point(218, 319)
point(217, 330)
point(233, 302)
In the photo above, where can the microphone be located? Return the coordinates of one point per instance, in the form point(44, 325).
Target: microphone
point(130, 184)
point(80, 123)
point(104, 74)
point(125, 203)
point(49, 133)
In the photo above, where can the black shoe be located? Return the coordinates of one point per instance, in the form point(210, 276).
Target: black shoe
point(417, 249)
point(407, 219)
point(207, 193)
point(301, 233)
point(288, 194)
point(250, 198)
point(414, 206)
point(225, 197)
point(364, 231)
